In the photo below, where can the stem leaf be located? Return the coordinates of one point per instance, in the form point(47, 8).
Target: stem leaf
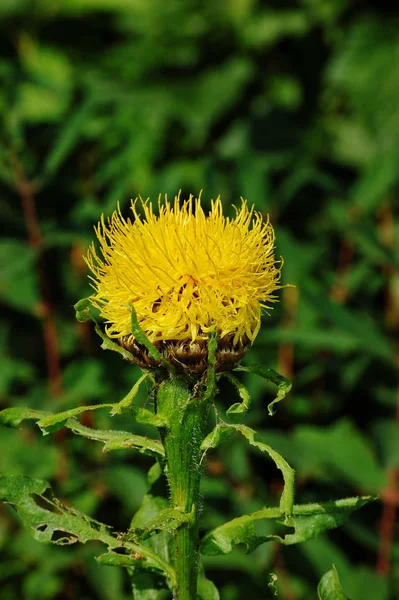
point(307, 520)
point(168, 519)
point(238, 410)
point(118, 440)
point(162, 542)
point(283, 384)
point(84, 312)
point(127, 401)
point(53, 522)
point(146, 417)
point(225, 430)
point(115, 559)
point(52, 423)
point(113, 440)
point(13, 417)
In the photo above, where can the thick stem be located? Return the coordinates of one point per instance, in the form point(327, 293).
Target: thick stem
point(182, 439)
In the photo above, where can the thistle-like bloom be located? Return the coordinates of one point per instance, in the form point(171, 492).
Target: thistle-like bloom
point(185, 272)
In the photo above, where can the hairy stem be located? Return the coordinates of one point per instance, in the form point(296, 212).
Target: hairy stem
point(182, 439)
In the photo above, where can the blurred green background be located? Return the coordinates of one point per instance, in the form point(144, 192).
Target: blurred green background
point(293, 105)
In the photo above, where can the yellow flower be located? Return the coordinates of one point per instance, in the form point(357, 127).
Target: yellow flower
point(185, 272)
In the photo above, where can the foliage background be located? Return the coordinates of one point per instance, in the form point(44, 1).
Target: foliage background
point(293, 105)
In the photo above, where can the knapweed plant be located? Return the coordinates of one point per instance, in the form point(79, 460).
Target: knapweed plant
point(181, 293)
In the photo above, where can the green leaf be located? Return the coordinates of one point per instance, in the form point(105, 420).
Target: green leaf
point(307, 520)
point(206, 588)
point(224, 430)
point(211, 389)
point(154, 473)
point(19, 491)
point(113, 440)
point(239, 409)
point(237, 531)
point(330, 588)
point(114, 559)
point(147, 417)
point(145, 587)
point(65, 141)
point(52, 423)
point(217, 436)
point(328, 448)
point(167, 519)
point(366, 578)
point(84, 312)
point(38, 103)
point(118, 440)
point(126, 403)
point(50, 518)
point(18, 281)
point(141, 336)
point(13, 417)
point(311, 520)
point(162, 542)
point(49, 422)
point(283, 384)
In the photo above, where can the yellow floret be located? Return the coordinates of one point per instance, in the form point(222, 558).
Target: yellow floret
point(185, 272)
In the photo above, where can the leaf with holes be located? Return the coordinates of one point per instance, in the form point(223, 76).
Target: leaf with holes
point(307, 520)
point(53, 522)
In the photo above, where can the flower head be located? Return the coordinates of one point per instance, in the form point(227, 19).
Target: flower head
point(185, 272)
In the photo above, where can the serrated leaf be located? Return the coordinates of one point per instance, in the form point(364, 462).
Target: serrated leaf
point(283, 384)
point(330, 587)
point(19, 490)
point(52, 423)
point(118, 440)
point(222, 431)
point(113, 440)
point(307, 520)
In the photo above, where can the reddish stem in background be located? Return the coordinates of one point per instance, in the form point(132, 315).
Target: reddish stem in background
point(390, 498)
point(390, 495)
point(26, 191)
point(282, 574)
point(290, 298)
point(339, 291)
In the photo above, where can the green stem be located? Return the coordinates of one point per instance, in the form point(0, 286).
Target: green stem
point(182, 439)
